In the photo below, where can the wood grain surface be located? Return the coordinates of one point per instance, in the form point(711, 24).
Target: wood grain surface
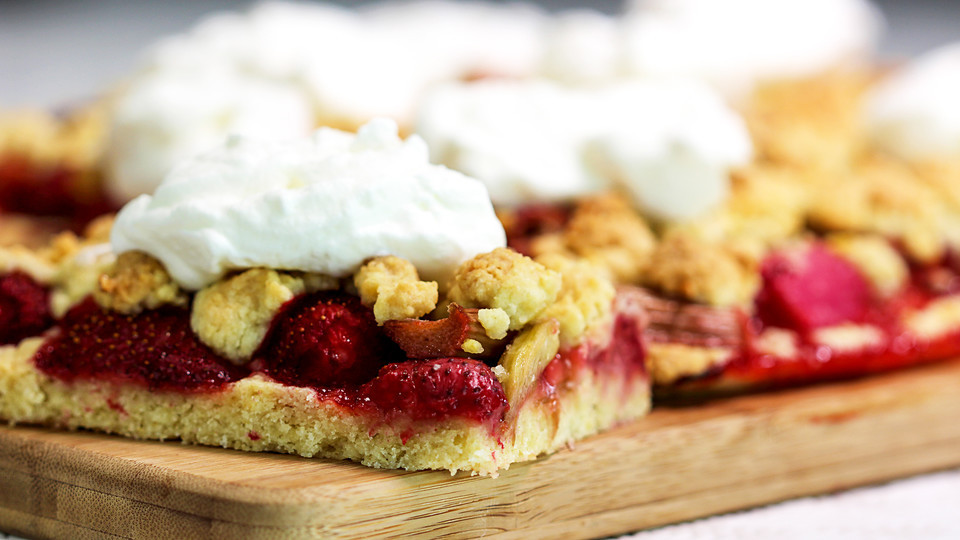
point(677, 464)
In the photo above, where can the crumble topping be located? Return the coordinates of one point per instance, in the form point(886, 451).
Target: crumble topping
point(393, 288)
point(505, 279)
point(135, 282)
point(607, 230)
point(495, 322)
point(585, 299)
point(808, 123)
point(668, 362)
point(716, 274)
point(883, 196)
point(76, 141)
point(232, 316)
point(876, 259)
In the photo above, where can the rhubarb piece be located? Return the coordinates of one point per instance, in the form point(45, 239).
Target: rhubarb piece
point(810, 289)
point(526, 358)
point(438, 389)
point(444, 337)
point(324, 339)
point(24, 307)
point(686, 323)
point(155, 349)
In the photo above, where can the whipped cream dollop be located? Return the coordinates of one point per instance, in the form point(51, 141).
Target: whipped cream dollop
point(522, 139)
point(736, 43)
point(164, 118)
point(669, 144)
point(282, 67)
point(915, 112)
point(323, 204)
point(583, 47)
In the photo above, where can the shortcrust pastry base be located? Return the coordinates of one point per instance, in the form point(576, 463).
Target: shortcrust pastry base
point(258, 414)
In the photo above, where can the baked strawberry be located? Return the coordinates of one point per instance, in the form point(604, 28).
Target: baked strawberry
point(155, 348)
point(811, 288)
point(24, 307)
point(438, 389)
point(41, 190)
point(325, 339)
point(442, 338)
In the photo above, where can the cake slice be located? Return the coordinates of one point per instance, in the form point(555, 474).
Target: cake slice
point(262, 300)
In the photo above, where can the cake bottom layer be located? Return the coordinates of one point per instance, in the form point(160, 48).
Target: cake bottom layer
point(259, 414)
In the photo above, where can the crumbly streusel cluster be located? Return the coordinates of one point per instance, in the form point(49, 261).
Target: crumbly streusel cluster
point(814, 172)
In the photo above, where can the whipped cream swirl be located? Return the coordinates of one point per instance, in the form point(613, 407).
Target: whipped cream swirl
point(915, 112)
point(323, 205)
point(735, 44)
point(669, 144)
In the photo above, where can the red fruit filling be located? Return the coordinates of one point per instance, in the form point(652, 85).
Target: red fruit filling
point(528, 222)
point(437, 389)
point(325, 339)
point(804, 308)
point(155, 349)
point(27, 188)
point(810, 289)
point(24, 308)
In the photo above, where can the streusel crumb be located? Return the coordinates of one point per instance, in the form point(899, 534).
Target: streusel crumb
point(885, 197)
point(495, 322)
point(606, 229)
point(713, 273)
point(28, 261)
point(507, 280)
point(668, 362)
point(232, 316)
point(41, 137)
point(136, 282)
point(876, 259)
point(809, 123)
point(393, 288)
point(586, 297)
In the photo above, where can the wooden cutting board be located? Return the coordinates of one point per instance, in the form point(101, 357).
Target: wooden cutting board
point(677, 464)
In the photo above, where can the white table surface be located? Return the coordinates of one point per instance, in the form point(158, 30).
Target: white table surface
point(55, 52)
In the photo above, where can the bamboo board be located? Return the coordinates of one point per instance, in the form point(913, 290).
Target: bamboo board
point(677, 464)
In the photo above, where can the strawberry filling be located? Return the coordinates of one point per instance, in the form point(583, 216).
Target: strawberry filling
point(325, 339)
point(437, 389)
point(24, 308)
point(155, 349)
point(26, 188)
point(822, 291)
point(811, 289)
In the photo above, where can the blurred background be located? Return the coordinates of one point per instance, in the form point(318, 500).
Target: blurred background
point(53, 52)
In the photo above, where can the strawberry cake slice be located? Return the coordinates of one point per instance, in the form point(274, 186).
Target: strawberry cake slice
point(336, 297)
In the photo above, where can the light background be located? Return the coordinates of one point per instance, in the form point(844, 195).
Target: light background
point(54, 52)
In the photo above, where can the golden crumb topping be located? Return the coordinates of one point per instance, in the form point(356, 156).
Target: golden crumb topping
point(668, 362)
point(393, 288)
point(876, 259)
point(495, 322)
point(713, 273)
point(586, 296)
point(76, 140)
point(505, 279)
point(884, 197)
point(607, 230)
point(808, 123)
point(40, 268)
point(137, 281)
point(232, 316)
